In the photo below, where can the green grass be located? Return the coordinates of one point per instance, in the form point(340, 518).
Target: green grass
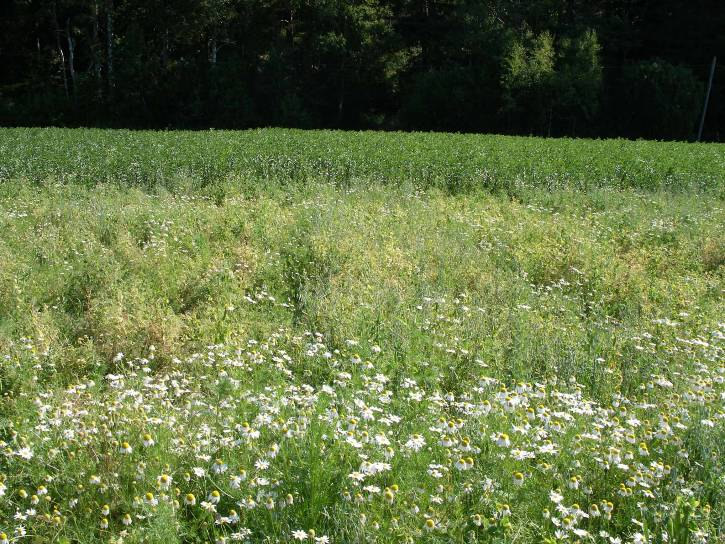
point(453, 162)
point(579, 315)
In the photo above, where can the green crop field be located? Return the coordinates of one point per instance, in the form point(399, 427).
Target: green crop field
point(452, 162)
point(278, 336)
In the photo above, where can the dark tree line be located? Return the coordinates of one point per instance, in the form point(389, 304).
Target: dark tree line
point(633, 68)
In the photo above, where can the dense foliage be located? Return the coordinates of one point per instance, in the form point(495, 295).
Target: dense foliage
point(318, 343)
point(561, 67)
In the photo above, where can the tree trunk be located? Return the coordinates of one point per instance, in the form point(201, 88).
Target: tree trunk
point(341, 95)
point(292, 27)
point(109, 47)
point(96, 50)
point(165, 50)
point(213, 48)
point(551, 116)
point(71, 60)
point(60, 49)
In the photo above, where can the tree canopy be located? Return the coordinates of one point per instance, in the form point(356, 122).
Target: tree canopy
point(598, 68)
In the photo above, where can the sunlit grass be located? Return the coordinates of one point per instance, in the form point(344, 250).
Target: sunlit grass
point(455, 163)
point(359, 363)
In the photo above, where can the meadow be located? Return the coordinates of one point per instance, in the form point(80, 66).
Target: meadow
point(278, 336)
